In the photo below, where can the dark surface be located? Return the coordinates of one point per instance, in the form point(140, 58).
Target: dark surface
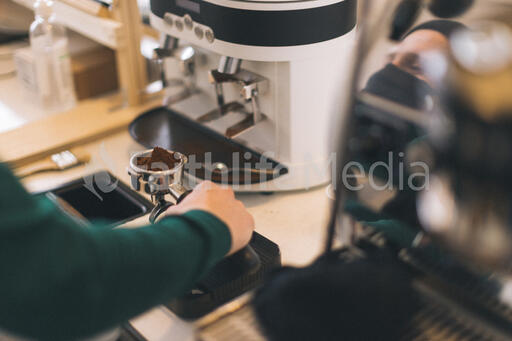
point(111, 200)
point(226, 281)
point(168, 129)
point(450, 9)
point(337, 299)
point(377, 292)
point(10, 37)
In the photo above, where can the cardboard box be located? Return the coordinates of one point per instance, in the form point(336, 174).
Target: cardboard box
point(94, 72)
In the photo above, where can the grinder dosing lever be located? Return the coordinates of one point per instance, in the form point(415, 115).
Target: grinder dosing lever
point(252, 86)
point(186, 57)
point(165, 177)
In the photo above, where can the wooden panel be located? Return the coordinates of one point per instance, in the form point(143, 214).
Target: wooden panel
point(89, 121)
point(94, 73)
point(90, 6)
point(102, 30)
point(131, 65)
point(122, 33)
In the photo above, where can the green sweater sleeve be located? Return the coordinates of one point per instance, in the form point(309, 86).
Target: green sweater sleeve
point(60, 281)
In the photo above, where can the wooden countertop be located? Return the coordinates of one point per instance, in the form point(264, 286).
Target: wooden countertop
point(90, 120)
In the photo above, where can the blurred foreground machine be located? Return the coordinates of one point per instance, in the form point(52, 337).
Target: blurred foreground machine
point(452, 232)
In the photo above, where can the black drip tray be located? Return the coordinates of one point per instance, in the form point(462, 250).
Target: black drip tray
point(162, 127)
point(223, 284)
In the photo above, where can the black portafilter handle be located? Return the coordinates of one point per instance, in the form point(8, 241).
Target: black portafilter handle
point(159, 209)
point(245, 260)
point(163, 205)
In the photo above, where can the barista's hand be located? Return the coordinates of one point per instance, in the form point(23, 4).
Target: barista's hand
point(220, 202)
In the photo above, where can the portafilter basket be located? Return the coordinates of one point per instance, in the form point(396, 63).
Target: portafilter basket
point(159, 184)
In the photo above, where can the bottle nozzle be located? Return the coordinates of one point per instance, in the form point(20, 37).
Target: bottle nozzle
point(44, 8)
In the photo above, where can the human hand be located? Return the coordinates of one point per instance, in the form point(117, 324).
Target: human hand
point(221, 202)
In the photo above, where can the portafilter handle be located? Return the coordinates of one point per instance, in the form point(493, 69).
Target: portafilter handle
point(177, 191)
point(159, 209)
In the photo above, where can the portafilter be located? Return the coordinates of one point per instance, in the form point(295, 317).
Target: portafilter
point(163, 182)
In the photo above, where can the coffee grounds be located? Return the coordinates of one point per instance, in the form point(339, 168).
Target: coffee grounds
point(158, 157)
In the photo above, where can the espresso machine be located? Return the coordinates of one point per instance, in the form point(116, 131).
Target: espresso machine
point(255, 84)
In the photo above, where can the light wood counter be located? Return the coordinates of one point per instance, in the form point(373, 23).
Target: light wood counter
point(294, 220)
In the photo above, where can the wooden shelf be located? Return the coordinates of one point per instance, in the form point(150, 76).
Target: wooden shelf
point(90, 120)
point(105, 31)
point(121, 32)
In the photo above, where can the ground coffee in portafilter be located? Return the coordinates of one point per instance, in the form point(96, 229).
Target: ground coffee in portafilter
point(158, 157)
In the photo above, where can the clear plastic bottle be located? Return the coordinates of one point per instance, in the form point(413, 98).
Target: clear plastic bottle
point(49, 44)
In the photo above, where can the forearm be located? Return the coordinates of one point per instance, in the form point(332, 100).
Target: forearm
point(66, 281)
point(61, 280)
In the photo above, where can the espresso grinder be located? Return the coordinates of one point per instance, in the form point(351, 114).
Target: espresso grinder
point(256, 85)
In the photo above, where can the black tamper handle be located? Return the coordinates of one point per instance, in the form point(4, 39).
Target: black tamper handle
point(245, 260)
